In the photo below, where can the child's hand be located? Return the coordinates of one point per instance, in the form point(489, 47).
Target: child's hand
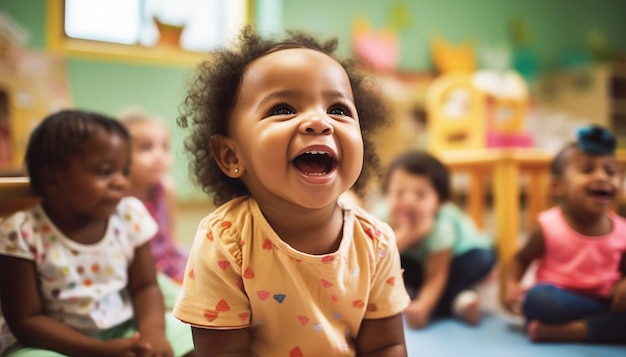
point(126, 347)
point(157, 342)
point(619, 297)
point(513, 297)
point(416, 315)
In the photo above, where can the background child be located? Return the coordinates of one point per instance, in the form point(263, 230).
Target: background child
point(443, 254)
point(281, 267)
point(580, 293)
point(151, 162)
point(82, 279)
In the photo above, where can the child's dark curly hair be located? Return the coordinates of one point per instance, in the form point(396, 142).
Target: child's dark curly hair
point(211, 97)
point(60, 136)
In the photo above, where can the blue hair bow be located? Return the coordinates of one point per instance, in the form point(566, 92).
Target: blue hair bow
point(596, 140)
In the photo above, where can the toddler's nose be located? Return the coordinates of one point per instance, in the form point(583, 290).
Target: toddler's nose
point(601, 174)
point(120, 181)
point(317, 123)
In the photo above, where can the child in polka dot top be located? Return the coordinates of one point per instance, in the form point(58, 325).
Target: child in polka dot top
point(78, 275)
point(281, 128)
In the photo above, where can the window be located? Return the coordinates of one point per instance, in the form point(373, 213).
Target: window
point(163, 30)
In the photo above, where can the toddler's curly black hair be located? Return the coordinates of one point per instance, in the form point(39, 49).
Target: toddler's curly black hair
point(212, 94)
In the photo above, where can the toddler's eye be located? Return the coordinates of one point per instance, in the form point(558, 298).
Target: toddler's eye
point(104, 172)
point(339, 110)
point(611, 171)
point(397, 193)
point(144, 146)
point(282, 109)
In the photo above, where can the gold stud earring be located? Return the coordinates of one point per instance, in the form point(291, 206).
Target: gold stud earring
point(236, 170)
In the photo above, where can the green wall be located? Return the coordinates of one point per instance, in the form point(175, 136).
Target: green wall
point(556, 26)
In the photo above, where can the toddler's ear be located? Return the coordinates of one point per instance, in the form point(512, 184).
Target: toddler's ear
point(49, 180)
point(556, 185)
point(224, 153)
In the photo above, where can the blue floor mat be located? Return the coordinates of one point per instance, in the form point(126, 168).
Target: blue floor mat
point(495, 337)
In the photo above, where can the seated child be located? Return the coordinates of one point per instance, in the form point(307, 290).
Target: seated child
point(82, 280)
point(442, 252)
point(149, 182)
point(282, 267)
point(580, 247)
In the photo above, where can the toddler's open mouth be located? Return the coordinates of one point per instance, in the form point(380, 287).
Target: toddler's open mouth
point(315, 162)
point(601, 194)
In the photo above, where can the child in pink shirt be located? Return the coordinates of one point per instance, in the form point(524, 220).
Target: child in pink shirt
point(580, 246)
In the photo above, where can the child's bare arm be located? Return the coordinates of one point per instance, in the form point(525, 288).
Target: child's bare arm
point(381, 337)
point(23, 310)
point(532, 249)
point(148, 301)
point(231, 343)
point(436, 273)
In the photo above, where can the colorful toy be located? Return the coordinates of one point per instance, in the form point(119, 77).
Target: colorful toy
point(471, 111)
point(506, 97)
point(455, 110)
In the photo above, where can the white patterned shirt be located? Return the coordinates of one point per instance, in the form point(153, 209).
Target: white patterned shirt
point(83, 286)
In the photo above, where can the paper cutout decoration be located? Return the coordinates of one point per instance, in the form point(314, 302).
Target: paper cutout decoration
point(452, 58)
point(380, 49)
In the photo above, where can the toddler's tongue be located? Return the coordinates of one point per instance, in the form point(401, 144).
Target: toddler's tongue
point(314, 163)
point(311, 167)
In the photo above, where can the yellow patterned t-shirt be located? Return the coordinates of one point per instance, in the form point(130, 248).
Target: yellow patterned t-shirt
point(241, 274)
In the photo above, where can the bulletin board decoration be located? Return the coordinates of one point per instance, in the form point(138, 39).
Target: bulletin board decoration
point(519, 31)
point(379, 49)
point(169, 35)
point(525, 60)
point(599, 48)
point(453, 58)
point(400, 17)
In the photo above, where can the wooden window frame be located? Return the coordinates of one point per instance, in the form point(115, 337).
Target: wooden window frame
point(57, 42)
